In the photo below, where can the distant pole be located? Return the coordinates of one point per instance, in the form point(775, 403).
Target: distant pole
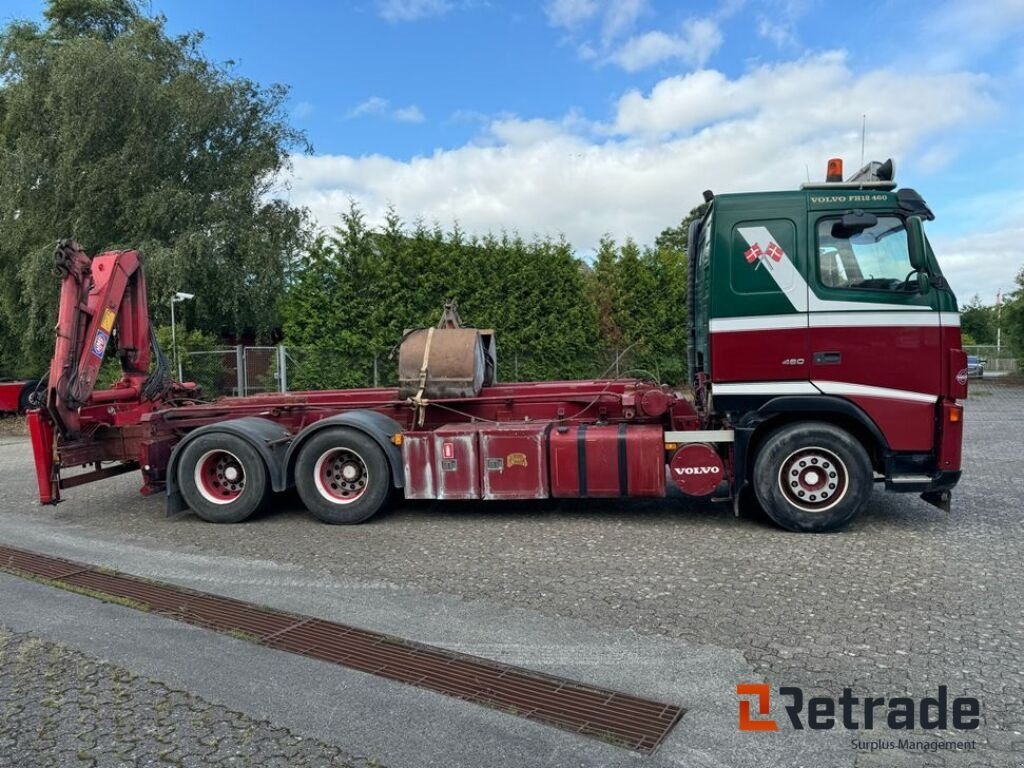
point(179, 296)
point(239, 370)
point(863, 136)
point(999, 328)
point(174, 342)
point(282, 368)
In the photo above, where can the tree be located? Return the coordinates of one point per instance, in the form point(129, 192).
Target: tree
point(676, 238)
point(640, 299)
point(120, 135)
point(1011, 319)
point(359, 289)
point(978, 321)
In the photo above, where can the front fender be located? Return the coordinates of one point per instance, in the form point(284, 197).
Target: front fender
point(811, 406)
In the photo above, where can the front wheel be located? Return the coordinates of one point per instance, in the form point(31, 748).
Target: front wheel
point(342, 476)
point(812, 477)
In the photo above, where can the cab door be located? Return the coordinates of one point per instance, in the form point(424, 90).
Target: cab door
point(759, 328)
point(875, 338)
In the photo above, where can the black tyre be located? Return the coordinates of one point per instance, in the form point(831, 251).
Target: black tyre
point(812, 477)
point(222, 478)
point(25, 398)
point(342, 476)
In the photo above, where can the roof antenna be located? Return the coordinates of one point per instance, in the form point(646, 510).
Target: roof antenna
point(807, 170)
point(863, 134)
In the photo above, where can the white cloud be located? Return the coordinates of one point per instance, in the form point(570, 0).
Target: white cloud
point(645, 168)
point(376, 106)
point(957, 31)
point(302, 110)
point(620, 16)
point(570, 13)
point(694, 45)
point(778, 21)
point(777, 32)
point(584, 20)
point(410, 114)
point(411, 10)
point(802, 98)
point(982, 263)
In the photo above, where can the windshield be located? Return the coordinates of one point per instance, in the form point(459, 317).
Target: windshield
point(876, 258)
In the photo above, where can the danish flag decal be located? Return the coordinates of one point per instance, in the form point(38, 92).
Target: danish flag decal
point(773, 252)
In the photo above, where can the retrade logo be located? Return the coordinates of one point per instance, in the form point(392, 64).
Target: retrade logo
point(696, 470)
point(855, 713)
point(762, 695)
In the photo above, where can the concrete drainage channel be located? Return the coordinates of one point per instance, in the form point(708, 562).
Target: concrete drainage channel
point(617, 718)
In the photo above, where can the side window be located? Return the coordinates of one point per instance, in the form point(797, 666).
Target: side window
point(877, 258)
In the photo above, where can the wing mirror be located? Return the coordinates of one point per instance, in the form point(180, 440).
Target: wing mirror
point(915, 232)
point(918, 249)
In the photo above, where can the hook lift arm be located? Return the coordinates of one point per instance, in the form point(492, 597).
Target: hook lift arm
point(100, 298)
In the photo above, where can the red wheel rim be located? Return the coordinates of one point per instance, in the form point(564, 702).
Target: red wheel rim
point(813, 479)
point(219, 477)
point(341, 475)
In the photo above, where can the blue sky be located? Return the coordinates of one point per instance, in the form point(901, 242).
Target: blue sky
point(590, 116)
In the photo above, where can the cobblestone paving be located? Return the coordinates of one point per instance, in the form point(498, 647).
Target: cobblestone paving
point(906, 599)
point(60, 708)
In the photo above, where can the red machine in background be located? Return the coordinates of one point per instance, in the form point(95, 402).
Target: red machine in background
point(15, 396)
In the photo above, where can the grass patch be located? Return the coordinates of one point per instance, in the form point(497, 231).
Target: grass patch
point(241, 634)
point(13, 426)
point(84, 591)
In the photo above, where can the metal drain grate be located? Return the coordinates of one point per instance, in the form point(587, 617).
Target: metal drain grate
point(618, 718)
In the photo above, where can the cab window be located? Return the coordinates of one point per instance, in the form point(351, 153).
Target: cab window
point(875, 258)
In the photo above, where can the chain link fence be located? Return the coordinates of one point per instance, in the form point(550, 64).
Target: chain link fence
point(997, 359)
point(235, 371)
point(241, 371)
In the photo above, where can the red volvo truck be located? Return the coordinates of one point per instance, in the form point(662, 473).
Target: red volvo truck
point(825, 357)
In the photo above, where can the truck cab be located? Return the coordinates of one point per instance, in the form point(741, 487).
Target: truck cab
point(824, 308)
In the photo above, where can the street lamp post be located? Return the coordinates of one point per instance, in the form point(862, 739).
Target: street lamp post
point(179, 296)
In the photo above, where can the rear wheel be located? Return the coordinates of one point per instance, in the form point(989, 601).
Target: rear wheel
point(812, 477)
point(223, 478)
point(342, 476)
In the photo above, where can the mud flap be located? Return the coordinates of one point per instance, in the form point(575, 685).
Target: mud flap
point(941, 499)
point(175, 503)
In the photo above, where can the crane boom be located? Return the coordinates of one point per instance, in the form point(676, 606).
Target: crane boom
point(101, 299)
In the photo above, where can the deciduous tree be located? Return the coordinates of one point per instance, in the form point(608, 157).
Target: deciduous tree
point(116, 133)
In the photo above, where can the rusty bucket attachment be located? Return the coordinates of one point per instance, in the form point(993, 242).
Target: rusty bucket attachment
point(448, 361)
